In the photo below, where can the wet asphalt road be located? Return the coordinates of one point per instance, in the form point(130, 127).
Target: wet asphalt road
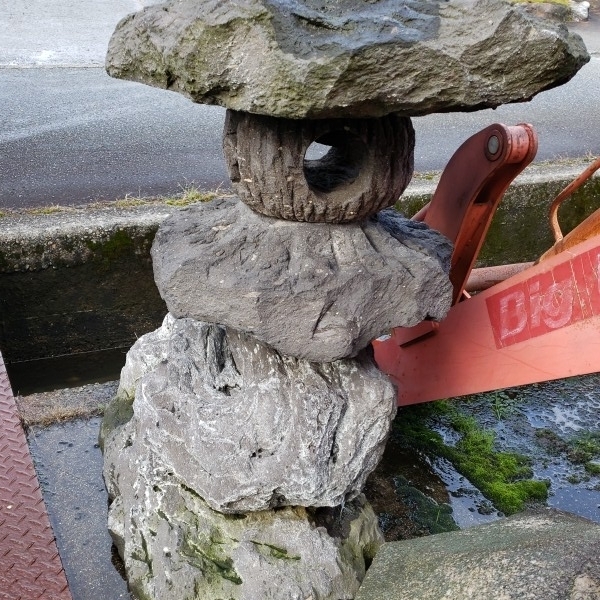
point(69, 134)
point(76, 135)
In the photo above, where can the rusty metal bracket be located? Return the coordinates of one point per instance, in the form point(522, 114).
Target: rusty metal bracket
point(471, 188)
point(585, 230)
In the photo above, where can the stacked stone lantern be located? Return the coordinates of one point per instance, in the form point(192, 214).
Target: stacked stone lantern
point(244, 428)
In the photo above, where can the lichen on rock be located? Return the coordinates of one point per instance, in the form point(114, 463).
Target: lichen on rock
point(175, 546)
point(166, 461)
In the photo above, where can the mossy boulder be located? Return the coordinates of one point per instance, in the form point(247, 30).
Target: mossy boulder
point(175, 546)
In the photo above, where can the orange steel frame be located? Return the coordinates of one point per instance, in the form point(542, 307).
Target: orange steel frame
point(542, 322)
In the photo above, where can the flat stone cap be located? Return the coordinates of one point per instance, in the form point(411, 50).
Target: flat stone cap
point(345, 58)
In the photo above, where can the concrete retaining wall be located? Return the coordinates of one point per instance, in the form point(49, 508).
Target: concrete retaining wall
point(78, 280)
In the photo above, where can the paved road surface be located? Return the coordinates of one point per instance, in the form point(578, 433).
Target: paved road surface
point(70, 134)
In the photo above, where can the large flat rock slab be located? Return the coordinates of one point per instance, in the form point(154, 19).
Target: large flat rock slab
point(351, 58)
point(546, 555)
point(317, 291)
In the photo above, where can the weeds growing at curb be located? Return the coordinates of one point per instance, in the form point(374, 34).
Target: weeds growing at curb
point(60, 415)
point(189, 195)
point(46, 210)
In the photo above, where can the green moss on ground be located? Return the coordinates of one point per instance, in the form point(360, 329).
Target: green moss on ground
point(551, 442)
point(504, 478)
point(430, 516)
point(584, 447)
point(593, 468)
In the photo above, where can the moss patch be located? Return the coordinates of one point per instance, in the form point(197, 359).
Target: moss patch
point(207, 556)
point(584, 447)
point(503, 477)
point(118, 412)
point(593, 468)
point(551, 442)
point(274, 551)
point(429, 516)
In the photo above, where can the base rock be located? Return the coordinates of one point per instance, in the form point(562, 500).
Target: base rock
point(174, 546)
point(317, 291)
point(242, 426)
point(537, 555)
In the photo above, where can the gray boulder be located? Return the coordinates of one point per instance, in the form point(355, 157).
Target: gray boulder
point(144, 356)
point(174, 546)
point(544, 555)
point(242, 426)
point(316, 291)
point(352, 58)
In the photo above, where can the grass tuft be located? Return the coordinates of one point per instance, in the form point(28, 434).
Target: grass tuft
point(46, 210)
point(191, 195)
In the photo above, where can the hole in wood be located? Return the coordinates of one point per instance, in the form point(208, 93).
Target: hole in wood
point(334, 161)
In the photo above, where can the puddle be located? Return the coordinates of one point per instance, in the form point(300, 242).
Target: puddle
point(69, 467)
point(542, 421)
point(469, 505)
point(414, 496)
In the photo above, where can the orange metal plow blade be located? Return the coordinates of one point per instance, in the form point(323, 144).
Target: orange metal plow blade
point(541, 324)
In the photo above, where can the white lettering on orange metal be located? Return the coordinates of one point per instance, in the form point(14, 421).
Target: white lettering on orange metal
point(557, 304)
point(513, 314)
point(566, 294)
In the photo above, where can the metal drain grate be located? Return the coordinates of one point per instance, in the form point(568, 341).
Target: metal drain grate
point(30, 566)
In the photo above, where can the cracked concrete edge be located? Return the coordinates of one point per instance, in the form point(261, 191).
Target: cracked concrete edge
point(67, 236)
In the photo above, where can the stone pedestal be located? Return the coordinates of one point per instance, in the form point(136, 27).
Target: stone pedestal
point(236, 472)
point(245, 427)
